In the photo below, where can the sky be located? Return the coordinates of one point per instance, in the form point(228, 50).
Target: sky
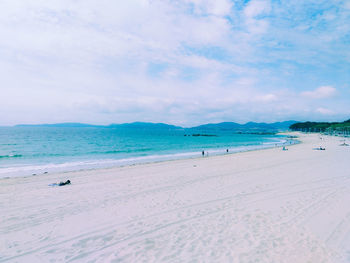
point(182, 62)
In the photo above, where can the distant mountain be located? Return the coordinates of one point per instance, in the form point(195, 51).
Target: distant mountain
point(66, 124)
point(133, 125)
point(276, 125)
point(145, 125)
point(223, 126)
point(256, 125)
point(248, 127)
point(284, 124)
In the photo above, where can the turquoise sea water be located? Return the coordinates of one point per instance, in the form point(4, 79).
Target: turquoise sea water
point(34, 150)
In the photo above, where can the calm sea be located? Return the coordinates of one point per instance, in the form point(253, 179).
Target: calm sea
point(35, 150)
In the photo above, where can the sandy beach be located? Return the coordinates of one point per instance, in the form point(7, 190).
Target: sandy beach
point(260, 206)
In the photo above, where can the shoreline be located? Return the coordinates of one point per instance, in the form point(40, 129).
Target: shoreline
point(148, 163)
point(98, 164)
point(269, 205)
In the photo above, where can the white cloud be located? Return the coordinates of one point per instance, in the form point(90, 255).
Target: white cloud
point(257, 7)
point(320, 93)
point(267, 98)
point(254, 9)
point(218, 60)
point(218, 7)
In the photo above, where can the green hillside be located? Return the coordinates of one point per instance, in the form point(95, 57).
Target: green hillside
point(328, 127)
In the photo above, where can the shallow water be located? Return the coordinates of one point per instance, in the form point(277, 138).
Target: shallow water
point(34, 150)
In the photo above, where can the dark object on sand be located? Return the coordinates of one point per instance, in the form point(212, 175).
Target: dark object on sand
point(60, 183)
point(64, 183)
point(320, 148)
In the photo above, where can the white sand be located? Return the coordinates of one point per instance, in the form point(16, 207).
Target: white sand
point(262, 206)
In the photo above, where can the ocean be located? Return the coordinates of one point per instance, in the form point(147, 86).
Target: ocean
point(26, 151)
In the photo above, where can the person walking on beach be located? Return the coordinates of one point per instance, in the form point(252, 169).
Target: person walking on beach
point(202, 153)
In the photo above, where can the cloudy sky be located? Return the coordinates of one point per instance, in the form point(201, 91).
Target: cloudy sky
point(183, 62)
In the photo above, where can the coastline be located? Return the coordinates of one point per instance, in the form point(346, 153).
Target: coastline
point(96, 164)
point(268, 205)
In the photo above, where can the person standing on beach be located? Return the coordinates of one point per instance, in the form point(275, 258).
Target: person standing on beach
point(202, 153)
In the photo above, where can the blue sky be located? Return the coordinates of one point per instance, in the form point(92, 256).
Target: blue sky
point(183, 62)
